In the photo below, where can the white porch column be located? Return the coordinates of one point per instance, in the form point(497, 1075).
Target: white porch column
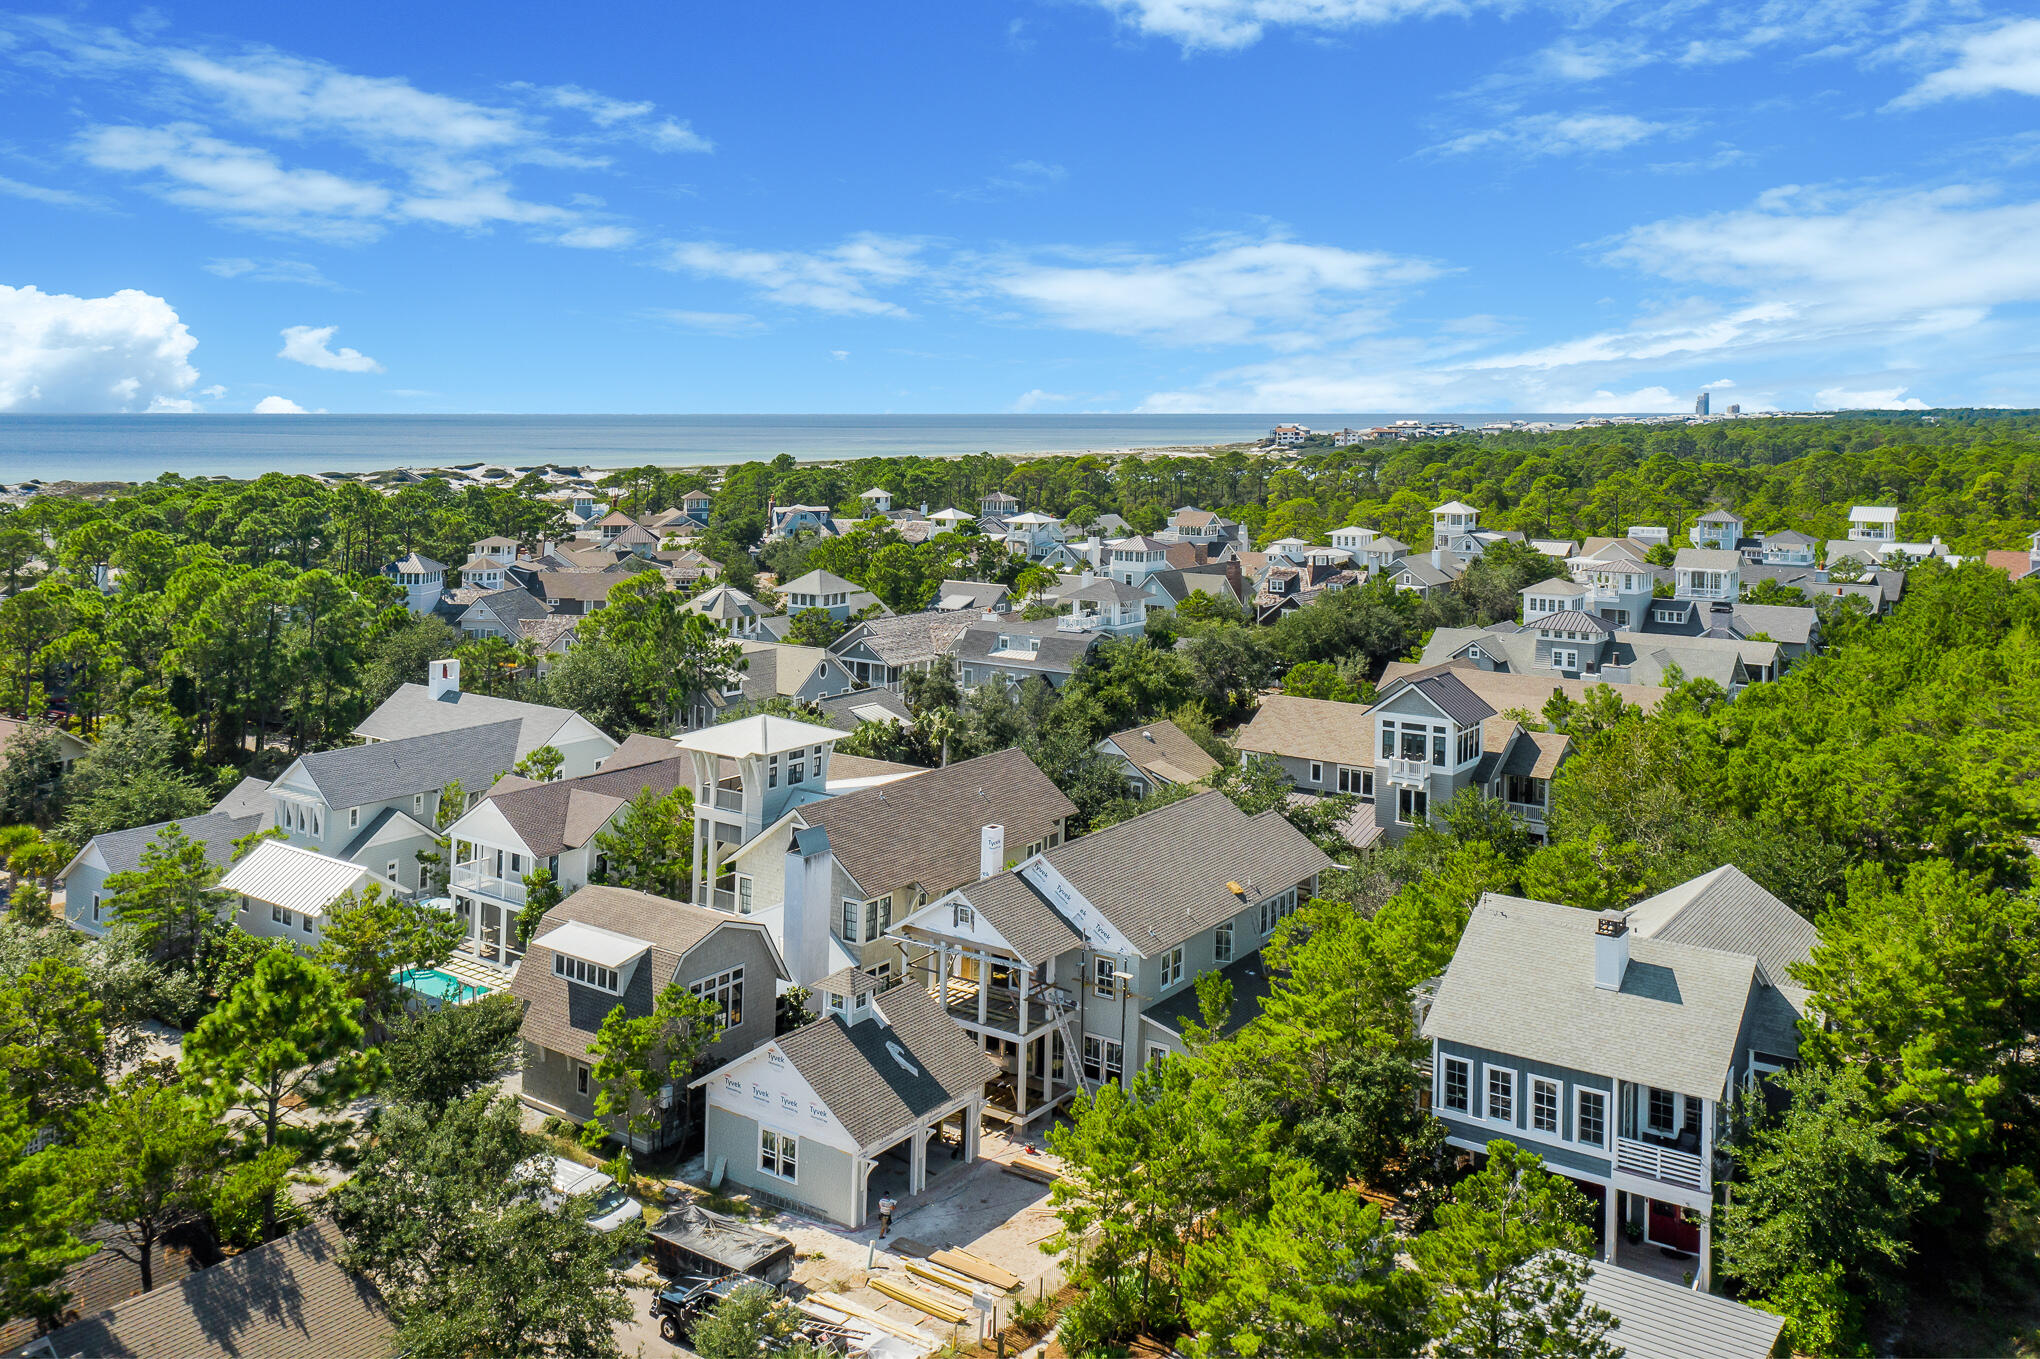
point(860, 1181)
point(984, 984)
point(973, 1116)
point(1703, 1277)
point(1020, 1080)
point(917, 1163)
point(1611, 1228)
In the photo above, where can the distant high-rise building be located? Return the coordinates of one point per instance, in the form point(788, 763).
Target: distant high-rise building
point(1700, 404)
point(1734, 408)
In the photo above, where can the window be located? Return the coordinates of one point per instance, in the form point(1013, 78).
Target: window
point(1590, 1119)
point(1172, 967)
point(353, 817)
point(1544, 1105)
point(1412, 806)
point(1103, 1059)
point(776, 1153)
point(1156, 1051)
point(796, 771)
point(1501, 1095)
point(305, 923)
point(1413, 744)
point(1458, 1087)
point(877, 916)
point(1664, 1111)
point(962, 916)
point(1317, 772)
point(417, 802)
point(586, 973)
point(1565, 660)
point(1276, 907)
point(1103, 983)
point(772, 772)
point(743, 894)
point(1666, 615)
point(276, 915)
point(725, 991)
point(1468, 745)
point(580, 1078)
point(390, 870)
point(1221, 944)
point(849, 921)
point(1438, 748)
point(1359, 782)
point(1387, 740)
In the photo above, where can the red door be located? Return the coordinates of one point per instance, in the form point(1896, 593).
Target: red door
point(1669, 1227)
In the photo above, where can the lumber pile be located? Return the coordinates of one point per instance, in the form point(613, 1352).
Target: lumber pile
point(1032, 1170)
point(976, 1267)
point(915, 1298)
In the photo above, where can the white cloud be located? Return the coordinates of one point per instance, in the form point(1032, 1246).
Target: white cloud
point(309, 345)
point(1274, 291)
point(1718, 385)
point(628, 118)
point(1882, 399)
point(1034, 400)
point(1572, 60)
point(212, 393)
point(37, 193)
point(839, 354)
point(125, 352)
point(1240, 23)
point(1021, 177)
point(836, 280)
point(673, 134)
point(245, 185)
point(279, 405)
point(714, 322)
point(271, 271)
point(1999, 59)
point(598, 237)
point(1556, 134)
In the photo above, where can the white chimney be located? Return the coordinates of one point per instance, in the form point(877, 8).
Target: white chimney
point(1089, 576)
point(804, 934)
point(992, 851)
point(443, 678)
point(1611, 950)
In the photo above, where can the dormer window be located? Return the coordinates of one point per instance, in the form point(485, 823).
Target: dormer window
point(586, 973)
point(962, 917)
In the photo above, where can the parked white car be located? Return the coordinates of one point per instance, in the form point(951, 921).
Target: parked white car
point(613, 1205)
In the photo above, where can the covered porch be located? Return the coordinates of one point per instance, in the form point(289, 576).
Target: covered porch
point(1024, 1019)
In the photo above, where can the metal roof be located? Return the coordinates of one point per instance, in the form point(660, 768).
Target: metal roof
point(593, 944)
point(296, 879)
point(1664, 1321)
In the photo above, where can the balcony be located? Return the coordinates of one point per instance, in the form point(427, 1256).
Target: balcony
point(1664, 1164)
point(729, 796)
point(1078, 622)
point(475, 878)
point(1410, 773)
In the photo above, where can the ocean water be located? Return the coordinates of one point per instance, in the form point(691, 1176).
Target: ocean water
point(142, 447)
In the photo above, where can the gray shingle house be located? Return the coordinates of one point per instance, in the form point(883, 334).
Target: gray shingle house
point(882, 652)
point(1063, 966)
point(607, 946)
point(83, 881)
point(1609, 1043)
point(1011, 650)
point(439, 706)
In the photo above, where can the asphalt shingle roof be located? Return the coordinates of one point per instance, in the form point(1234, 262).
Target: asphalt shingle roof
point(355, 776)
point(1726, 910)
point(412, 711)
point(1023, 917)
point(552, 817)
point(1161, 747)
point(284, 1300)
point(122, 850)
point(874, 1093)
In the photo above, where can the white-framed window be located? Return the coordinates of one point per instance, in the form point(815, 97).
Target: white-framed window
point(743, 894)
point(1544, 1105)
point(1172, 967)
point(850, 913)
point(1276, 907)
point(1469, 744)
point(305, 923)
point(1590, 1118)
point(1156, 1051)
point(1667, 615)
point(725, 990)
point(586, 973)
point(796, 768)
point(1501, 1095)
point(1104, 1060)
point(1221, 944)
point(278, 916)
point(777, 1154)
point(353, 817)
point(1565, 660)
point(1664, 1111)
point(1387, 739)
point(1317, 772)
point(1438, 747)
point(1103, 983)
point(96, 905)
point(1412, 806)
point(1359, 782)
point(772, 772)
point(877, 916)
point(1455, 1088)
point(417, 802)
point(962, 916)
point(390, 870)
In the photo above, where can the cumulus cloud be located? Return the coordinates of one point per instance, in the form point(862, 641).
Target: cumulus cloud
point(839, 279)
point(1034, 400)
point(1881, 399)
point(1240, 23)
point(310, 346)
point(125, 352)
point(2004, 59)
point(279, 405)
point(1558, 134)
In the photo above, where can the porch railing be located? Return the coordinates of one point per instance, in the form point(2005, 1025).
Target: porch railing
point(475, 878)
point(1411, 772)
point(1653, 1162)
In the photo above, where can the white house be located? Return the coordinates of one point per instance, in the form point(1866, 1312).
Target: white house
point(281, 891)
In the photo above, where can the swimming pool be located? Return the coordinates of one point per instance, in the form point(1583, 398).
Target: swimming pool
point(439, 988)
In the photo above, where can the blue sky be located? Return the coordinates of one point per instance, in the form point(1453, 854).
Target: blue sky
point(1091, 205)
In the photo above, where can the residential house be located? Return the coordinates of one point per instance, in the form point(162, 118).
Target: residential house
point(486, 571)
point(882, 652)
point(1217, 536)
point(1433, 573)
point(422, 579)
point(520, 825)
point(1787, 548)
point(282, 891)
point(578, 592)
point(609, 947)
point(747, 775)
point(1157, 756)
point(611, 525)
point(285, 1299)
point(973, 595)
point(828, 592)
point(1033, 535)
point(501, 613)
point(377, 804)
point(876, 854)
point(1010, 650)
point(696, 504)
point(1071, 967)
point(1134, 560)
point(1873, 539)
point(1659, 1319)
point(438, 705)
point(1707, 573)
point(789, 520)
point(841, 1112)
point(69, 746)
point(1434, 736)
point(998, 505)
point(1610, 1043)
point(1166, 590)
point(950, 520)
point(1368, 550)
point(877, 502)
point(739, 614)
point(87, 903)
point(848, 712)
point(637, 540)
point(1455, 527)
point(1717, 529)
point(804, 674)
point(1108, 606)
